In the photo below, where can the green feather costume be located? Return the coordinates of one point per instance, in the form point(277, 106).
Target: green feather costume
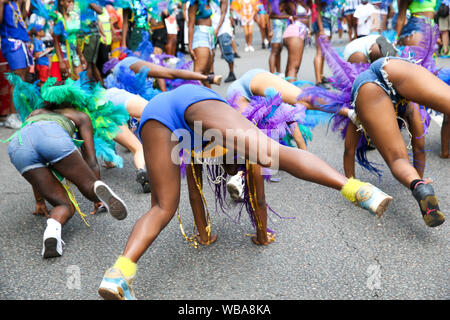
point(106, 117)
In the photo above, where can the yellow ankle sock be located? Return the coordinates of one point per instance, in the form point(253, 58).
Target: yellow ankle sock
point(350, 188)
point(126, 266)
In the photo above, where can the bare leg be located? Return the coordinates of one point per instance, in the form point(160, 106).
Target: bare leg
point(275, 53)
point(197, 206)
point(377, 115)
point(301, 164)
point(51, 190)
point(445, 137)
point(295, 53)
point(348, 18)
point(203, 62)
point(165, 178)
point(419, 85)
point(127, 139)
point(256, 186)
point(75, 169)
point(445, 42)
point(318, 62)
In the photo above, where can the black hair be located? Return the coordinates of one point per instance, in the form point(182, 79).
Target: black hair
point(55, 106)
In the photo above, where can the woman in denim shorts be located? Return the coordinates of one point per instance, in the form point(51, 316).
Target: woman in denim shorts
point(277, 26)
point(201, 37)
point(42, 150)
point(376, 93)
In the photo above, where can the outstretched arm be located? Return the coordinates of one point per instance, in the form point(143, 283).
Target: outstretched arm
point(157, 71)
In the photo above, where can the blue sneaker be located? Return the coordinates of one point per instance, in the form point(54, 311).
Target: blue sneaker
point(115, 286)
point(373, 199)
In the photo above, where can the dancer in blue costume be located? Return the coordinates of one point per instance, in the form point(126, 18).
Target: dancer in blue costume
point(184, 106)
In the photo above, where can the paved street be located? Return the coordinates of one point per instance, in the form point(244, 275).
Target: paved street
point(329, 250)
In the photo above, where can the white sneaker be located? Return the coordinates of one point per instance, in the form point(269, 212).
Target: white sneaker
point(235, 187)
point(114, 205)
point(247, 48)
point(251, 48)
point(13, 121)
point(173, 62)
point(52, 242)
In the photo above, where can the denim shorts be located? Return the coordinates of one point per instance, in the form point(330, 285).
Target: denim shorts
point(43, 143)
point(415, 24)
point(278, 27)
point(203, 37)
point(377, 75)
point(226, 47)
point(242, 85)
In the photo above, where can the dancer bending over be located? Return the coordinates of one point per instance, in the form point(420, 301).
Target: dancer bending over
point(184, 106)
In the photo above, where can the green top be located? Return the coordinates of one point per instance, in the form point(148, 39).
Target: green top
point(422, 6)
point(60, 119)
point(72, 26)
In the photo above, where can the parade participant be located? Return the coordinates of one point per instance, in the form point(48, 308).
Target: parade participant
point(262, 19)
point(135, 24)
point(322, 26)
point(134, 104)
point(201, 36)
point(422, 13)
point(368, 49)
point(349, 10)
point(153, 70)
point(247, 9)
point(183, 106)
point(256, 82)
point(375, 93)
point(69, 58)
point(14, 46)
point(277, 26)
point(380, 95)
point(44, 152)
point(295, 36)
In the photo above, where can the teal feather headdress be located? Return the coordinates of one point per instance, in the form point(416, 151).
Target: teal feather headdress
point(106, 117)
point(26, 96)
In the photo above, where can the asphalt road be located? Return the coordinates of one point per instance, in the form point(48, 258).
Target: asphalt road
point(329, 250)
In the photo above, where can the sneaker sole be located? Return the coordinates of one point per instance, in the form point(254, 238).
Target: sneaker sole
point(435, 218)
point(383, 206)
point(108, 291)
point(115, 206)
point(233, 191)
point(50, 246)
